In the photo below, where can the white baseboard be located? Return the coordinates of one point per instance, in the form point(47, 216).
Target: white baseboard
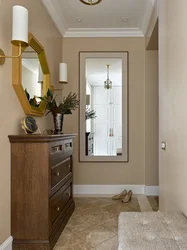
point(107, 190)
point(152, 190)
point(7, 244)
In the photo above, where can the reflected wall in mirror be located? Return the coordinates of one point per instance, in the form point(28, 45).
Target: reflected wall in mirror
point(103, 106)
point(31, 76)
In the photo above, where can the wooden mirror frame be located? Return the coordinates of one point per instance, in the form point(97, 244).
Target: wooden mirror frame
point(17, 77)
point(124, 55)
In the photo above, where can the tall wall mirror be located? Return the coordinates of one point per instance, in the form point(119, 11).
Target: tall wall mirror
point(31, 76)
point(103, 106)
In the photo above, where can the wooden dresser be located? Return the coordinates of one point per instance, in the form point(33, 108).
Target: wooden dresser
point(41, 189)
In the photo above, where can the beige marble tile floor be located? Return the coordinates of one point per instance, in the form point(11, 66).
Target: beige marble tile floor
point(94, 223)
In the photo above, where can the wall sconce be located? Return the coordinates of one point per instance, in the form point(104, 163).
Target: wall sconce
point(19, 31)
point(63, 75)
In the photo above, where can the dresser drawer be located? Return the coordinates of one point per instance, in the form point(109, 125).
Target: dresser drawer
point(68, 146)
point(60, 171)
point(60, 151)
point(59, 200)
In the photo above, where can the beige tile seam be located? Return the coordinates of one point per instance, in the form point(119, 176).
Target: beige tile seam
point(102, 241)
point(105, 241)
point(108, 238)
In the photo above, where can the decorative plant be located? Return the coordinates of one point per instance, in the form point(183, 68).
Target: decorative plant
point(65, 107)
point(33, 101)
point(90, 114)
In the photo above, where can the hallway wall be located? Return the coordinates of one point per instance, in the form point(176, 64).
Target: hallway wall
point(173, 103)
point(11, 113)
point(111, 173)
point(151, 118)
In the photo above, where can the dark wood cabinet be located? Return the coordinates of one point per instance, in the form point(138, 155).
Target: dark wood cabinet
point(41, 189)
point(89, 143)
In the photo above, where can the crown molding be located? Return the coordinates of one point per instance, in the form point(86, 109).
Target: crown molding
point(28, 65)
point(147, 16)
point(103, 32)
point(57, 18)
point(62, 26)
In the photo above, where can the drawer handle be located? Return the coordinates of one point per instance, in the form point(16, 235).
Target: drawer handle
point(56, 149)
point(67, 194)
point(57, 173)
point(69, 166)
point(68, 145)
point(58, 209)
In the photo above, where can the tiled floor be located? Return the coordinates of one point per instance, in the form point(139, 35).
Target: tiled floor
point(154, 201)
point(94, 223)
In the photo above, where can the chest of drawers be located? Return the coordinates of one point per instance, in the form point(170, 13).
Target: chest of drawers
point(41, 189)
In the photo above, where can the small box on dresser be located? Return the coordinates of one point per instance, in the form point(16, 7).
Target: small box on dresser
point(41, 189)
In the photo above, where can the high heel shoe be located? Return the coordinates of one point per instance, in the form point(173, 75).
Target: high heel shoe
point(120, 196)
point(128, 197)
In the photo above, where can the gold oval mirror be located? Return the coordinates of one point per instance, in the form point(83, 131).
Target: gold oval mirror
point(31, 76)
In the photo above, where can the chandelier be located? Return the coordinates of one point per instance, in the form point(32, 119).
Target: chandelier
point(90, 2)
point(108, 83)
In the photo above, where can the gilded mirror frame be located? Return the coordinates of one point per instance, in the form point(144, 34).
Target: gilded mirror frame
point(124, 55)
point(17, 76)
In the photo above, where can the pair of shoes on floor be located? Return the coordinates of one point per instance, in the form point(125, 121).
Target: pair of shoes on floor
point(124, 196)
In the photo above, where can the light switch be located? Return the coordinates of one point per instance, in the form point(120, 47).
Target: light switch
point(164, 145)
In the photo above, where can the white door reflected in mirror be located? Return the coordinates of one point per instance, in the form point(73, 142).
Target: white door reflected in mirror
point(103, 103)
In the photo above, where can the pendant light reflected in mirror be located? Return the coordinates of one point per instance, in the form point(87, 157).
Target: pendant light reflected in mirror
point(108, 83)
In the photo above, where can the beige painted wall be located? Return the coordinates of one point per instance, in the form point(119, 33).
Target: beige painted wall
point(153, 41)
point(132, 172)
point(173, 103)
point(152, 23)
point(151, 119)
point(11, 112)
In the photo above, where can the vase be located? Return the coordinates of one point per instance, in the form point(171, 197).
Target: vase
point(58, 122)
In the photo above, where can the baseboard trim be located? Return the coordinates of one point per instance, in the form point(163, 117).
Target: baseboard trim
point(152, 190)
point(7, 244)
point(108, 190)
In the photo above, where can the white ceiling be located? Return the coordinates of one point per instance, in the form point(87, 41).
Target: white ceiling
point(96, 71)
point(104, 19)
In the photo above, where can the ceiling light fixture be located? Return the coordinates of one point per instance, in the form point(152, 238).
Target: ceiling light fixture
point(79, 19)
point(125, 19)
point(90, 2)
point(108, 83)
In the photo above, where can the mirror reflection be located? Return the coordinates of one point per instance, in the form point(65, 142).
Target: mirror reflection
point(104, 97)
point(31, 74)
point(104, 101)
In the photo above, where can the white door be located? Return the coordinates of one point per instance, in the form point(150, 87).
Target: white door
point(108, 124)
point(102, 122)
point(116, 119)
